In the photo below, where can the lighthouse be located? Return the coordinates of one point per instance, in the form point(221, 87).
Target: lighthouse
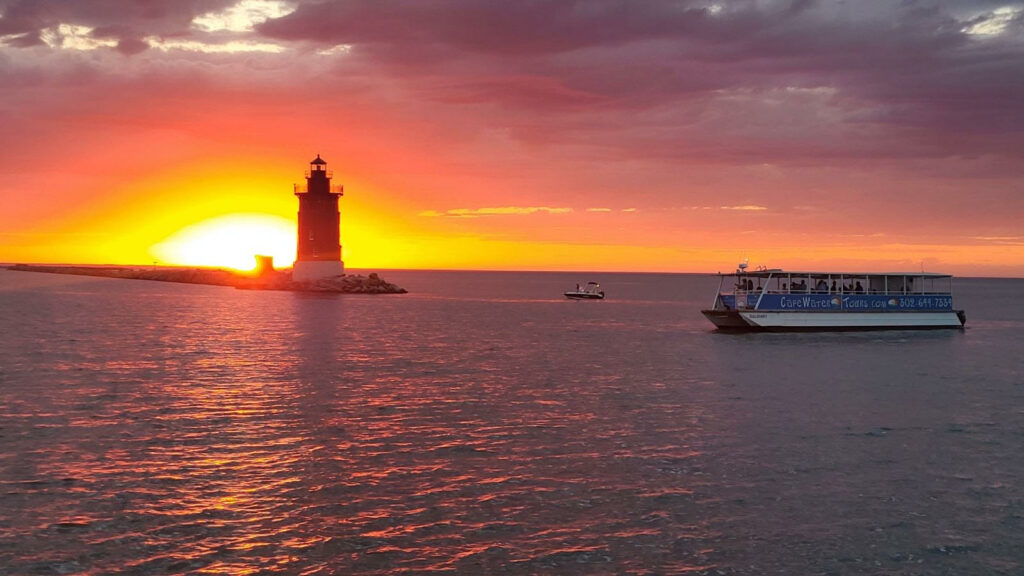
point(319, 242)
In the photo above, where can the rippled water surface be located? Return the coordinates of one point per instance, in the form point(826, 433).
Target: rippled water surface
point(484, 425)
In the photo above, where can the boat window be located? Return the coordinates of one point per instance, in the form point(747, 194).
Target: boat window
point(854, 284)
point(820, 285)
point(912, 284)
point(877, 284)
point(744, 283)
point(801, 284)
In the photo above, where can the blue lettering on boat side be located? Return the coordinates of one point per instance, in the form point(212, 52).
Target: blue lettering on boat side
point(802, 302)
point(857, 302)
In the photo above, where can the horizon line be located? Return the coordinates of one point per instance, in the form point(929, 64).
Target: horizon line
point(498, 270)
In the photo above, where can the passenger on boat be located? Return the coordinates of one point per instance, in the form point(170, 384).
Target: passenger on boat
point(821, 286)
point(858, 288)
point(833, 286)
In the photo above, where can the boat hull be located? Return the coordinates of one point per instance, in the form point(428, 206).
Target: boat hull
point(581, 296)
point(726, 319)
point(787, 321)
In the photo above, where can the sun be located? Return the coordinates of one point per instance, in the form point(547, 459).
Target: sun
point(230, 241)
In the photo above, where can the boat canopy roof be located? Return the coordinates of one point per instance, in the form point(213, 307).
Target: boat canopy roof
point(777, 272)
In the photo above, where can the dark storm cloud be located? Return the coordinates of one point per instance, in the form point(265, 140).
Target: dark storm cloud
point(789, 36)
point(504, 28)
point(910, 66)
point(759, 80)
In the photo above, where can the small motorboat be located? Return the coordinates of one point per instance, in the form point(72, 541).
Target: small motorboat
point(592, 291)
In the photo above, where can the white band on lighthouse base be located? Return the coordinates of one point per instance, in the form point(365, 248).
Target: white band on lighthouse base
point(306, 270)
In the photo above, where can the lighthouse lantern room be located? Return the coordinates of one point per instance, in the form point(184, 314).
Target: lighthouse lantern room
point(319, 242)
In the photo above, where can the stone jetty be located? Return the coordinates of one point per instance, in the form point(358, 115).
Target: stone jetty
point(346, 284)
point(271, 280)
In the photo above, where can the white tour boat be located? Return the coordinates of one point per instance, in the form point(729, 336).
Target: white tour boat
point(778, 300)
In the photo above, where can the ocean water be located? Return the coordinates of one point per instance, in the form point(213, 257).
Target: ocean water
point(482, 424)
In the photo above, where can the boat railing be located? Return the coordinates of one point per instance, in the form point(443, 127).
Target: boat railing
point(764, 290)
point(304, 188)
point(850, 292)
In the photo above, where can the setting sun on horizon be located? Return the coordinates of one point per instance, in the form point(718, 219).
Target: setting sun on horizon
point(230, 241)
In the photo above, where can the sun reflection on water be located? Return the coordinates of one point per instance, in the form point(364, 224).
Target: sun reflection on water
point(261, 433)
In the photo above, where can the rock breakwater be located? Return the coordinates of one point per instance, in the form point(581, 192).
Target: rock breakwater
point(274, 280)
point(347, 284)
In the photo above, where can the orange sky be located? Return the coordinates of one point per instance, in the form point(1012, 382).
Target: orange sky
point(547, 140)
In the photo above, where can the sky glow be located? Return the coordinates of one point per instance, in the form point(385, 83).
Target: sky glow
point(632, 135)
point(230, 241)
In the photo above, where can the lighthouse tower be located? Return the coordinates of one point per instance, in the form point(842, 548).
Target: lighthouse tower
point(319, 250)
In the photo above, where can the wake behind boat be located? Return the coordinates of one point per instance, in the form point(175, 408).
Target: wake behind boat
point(592, 291)
point(776, 300)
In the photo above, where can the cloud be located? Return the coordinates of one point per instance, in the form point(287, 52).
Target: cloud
point(136, 18)
point(744, 208)
point(73, 37)
point(735, 81)
point(739, 208)
point(242, 17)
point(232, 47)
point(500, 28)
point(1001, 240)
point(496, 211)
point(130, 27)
point(778, 81)
point(131, 46)
point(993, 23)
